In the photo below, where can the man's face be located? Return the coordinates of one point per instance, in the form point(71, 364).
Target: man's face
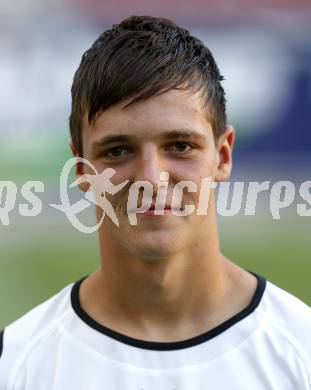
point(166, 133)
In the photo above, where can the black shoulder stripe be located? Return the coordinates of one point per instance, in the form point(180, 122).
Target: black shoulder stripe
point(1, 342)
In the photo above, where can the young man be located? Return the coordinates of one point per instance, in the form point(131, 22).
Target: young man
point(165, 310)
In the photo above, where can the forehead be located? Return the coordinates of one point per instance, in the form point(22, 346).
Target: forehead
point(171, 110)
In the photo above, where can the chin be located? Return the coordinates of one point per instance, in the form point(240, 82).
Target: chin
point(154, 249)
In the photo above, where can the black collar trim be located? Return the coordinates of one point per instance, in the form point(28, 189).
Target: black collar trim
point(1, 342)
point(166, 346)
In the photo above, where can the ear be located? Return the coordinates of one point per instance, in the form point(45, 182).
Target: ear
point(224, 150)
point(84, 185)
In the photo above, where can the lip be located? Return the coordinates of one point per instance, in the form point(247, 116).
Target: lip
point(151, 211)
point(167, 210)
point(151, 214)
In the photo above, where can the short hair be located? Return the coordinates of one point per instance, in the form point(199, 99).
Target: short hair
point(141, 57)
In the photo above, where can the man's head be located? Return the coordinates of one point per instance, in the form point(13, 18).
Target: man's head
point(139, 58)
point(147, 98)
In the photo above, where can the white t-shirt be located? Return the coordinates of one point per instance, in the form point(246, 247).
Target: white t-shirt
point(57, 346)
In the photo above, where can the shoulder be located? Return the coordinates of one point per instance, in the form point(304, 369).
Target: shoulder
point(18, 337)
point(287, 317)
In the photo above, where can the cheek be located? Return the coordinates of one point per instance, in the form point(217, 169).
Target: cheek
point(194, 170)
point(121, 173)
point(209, 166)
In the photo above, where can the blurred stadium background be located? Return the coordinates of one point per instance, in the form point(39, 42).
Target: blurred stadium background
point(264, 52)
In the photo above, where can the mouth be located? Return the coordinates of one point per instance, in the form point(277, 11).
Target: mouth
point(167, 210)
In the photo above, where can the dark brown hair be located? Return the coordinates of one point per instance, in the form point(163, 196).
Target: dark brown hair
point(141, 57)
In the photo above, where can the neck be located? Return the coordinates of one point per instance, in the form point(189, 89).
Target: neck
point(177, 296)
point(172, 282)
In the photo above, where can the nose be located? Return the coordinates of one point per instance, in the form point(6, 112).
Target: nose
point(149, 165)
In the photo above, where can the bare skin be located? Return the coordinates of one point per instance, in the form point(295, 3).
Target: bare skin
point(165, 279)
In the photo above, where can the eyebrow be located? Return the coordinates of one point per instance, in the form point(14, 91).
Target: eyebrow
point(169, 135)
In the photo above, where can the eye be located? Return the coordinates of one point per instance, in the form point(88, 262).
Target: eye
point(180, 147)
point(118, 151)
